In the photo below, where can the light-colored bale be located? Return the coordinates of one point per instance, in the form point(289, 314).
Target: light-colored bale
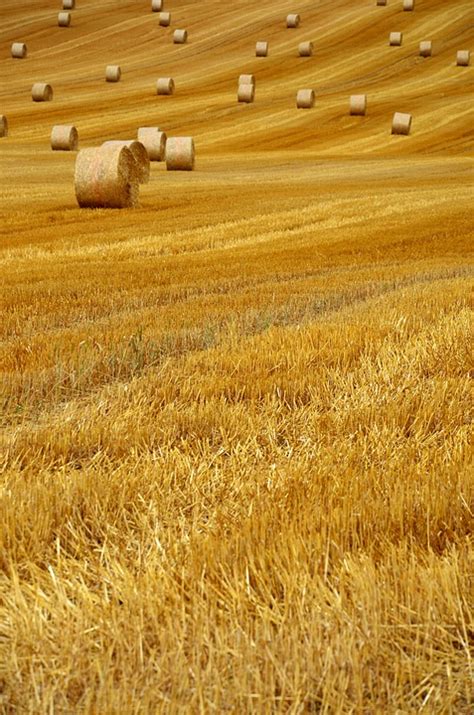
point(180, 154)
point(246, 93)
point(154, 142)
point(64, 19)
point(305, 99)
point(382, 2)
point(261, 49)
point(426, 48)
point(69, 4)
point(139, 153)
point(180, 37)
point(463, 58)
point(165, 85)
point(401, 123)
point(64, 137)
point(408, 5)
point(113, 73)
point(396, 39)
point(247, 79)
point(19, 50)
point(164, 19)
point(293, 20)
point(156, 5)
point(305, 49)
point(41, 92)
point(358, 105)
point(105, 177)
point(3, 126)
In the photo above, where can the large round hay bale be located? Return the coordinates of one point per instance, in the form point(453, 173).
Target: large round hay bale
point(156, 5)
point(180, 154)
point(401, 123)
point(64, 19)
point(261, 49)
point(426, 48)
point(305, 99)
point(19, 50)
point(105, 177)
point(463, 58)
point(41, 92)
point(69, 4)
point(408, 5)
point(396, 39)
point(358, 105)
point(3, 126)
point(305, 49)
point(154, 142)
point(164, 19)
point(139, 153)
point(180, 37)
point(293, 20)
point(247, 79)
point(64, 137)
point(113, 73)
point(165, 85)
point(246, 93)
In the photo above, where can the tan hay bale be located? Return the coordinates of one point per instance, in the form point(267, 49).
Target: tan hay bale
point(156, 5)
point(401, 123)
point(105, 177)
point(64, 19)
point(305, 99)
point(113, 73)
point(154, 142)
point(246, 93)
point(165, 85)
point(139, 153)
point(64, 137)
point(41, 92)
point(293, 20)
point(180, 37)
point(305, 49)
point(408, 5)
point(180, 154)
point(261, 49)
point(3, 126)
point(247, 79)
point(382, 2)
point(164, 19)
point(358, 105)
point(19, 50)
point(426, 48)
point(396, 39)
point(463, 58)
point(69, 4)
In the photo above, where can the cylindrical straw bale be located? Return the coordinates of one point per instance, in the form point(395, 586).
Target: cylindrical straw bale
point(41, 92)
point(463, 58)
point(305, 99)
point(139, 153)
point(64, 137)
point(3, 126)
point(408, 5)
point(19, 50)
point(246, 93)
point(154, 142)
point(396, 39)
point(382, 2)
point(165, 85)
point(358, 104)
point(247, 79)
point(69, 4)
point(105, 177)
point(165, 19)
point(305, 49)
point(293, 20)
point(261, 49)
point(401, 123)
point(113, 73)
point(64, 19)
point(156, 5)
point(180, 154)
point(426, 48)
point(180, 37)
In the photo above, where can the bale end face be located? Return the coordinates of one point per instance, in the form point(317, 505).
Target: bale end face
point(401, 123)
point(105, 177)
point(358, 105)
point(246, 93)
point(19, 50)
point(180, 37)
point(261, 49)
point(164, 19)
point(180, 154)
point(293, 20)
point(463, 58)
point(41, 92)
point(3, 126)
point(426, 48)
point(165, 85)
point(64, 138)
point(396, 39)
point(113, 73)
point(305, 99)
point(305, 49)
point(154, 142)
point(64, 19)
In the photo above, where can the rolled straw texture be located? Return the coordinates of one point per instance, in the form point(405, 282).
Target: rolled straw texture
point(105, 177)
point(64, 19)
point(164, 19)
point(247, 79)
point(401, 123)
point(382, 2)
point(426, 48)
point(154, 142)
point(41, 92)
point(113, 73)
point(165, 85)
point(408, 5)
point(396, 39)
point(358, 104)
point(246, 93)
point(463, 58)
point(261, 49)
point(69, 4)
point(180, 37)
point(3, 126)
point(293, 20)
point(19, 50)
point(305, 49)
point(305, 99)
point(139, 153)
point(180, 154)
point(64, 137)
point(156, 5)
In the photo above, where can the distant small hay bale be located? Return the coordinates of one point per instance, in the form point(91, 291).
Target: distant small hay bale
point(64, 137)
point(105, 177)
point(64, 19)
point(41, 92)
point(305, 49)
point(408, 5)
point(305, 99)
point(382, 2)
point(69, 4)
point(154, 142)
point(396, 39)
point(463, 58)
point(247, 79)
point(246, 93)
point(426, 48)
point(113, 73)
point(156, 5)
point(164, 19)
point(19, 50)
point(180, 37)
point(401, 123)
point(358, 105)
point(165, 85)
point(261, 49)
point(139, 153)
point(3, 126)
point(180, 154)
point(293, 20)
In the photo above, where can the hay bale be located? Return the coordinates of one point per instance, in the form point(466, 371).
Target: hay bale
point(139, 153)
point(180, 37)
point(156, 5)
point(113, 73)
point(358, 105)
point(463, 58)
point(401, 123)
point(305, 49)
point(64, 137)
point(180, 154)
point(105, 177)
point(19, 50)
point(426, 48)
point(164, 19)
point(154, 142)
point(293, 20)
point(261, 49)
point(305, 99)
point(247, 79)
point(64, 19)
point(408, 5)
point(381, 2)
point(69, 4)
point(396, 39)
point(41, 92)
point(165, 85)
point(3, 126)
point(246, 93)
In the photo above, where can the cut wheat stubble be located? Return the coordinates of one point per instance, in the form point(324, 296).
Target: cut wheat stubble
point(113, 73)
point(180, 154)
point(19, 50)
point(3, 126)
point(64, 137)
point(140, 155)
point(401, 123)
point(106, 177)
point(305, 99)
point(358, 105)
point(41, 92)
point(154, 142)
point(261, 49)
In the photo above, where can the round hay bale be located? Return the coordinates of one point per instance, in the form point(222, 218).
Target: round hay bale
point(247, 79)
point(358, 105)
point(64, 137)
point(396, 39)
point(41, 92)
point(113, 73)
point(154, 142)
point(426, 48)
point(164, 19)
point(180, 37)
point(156, 5)
point(3, 126)
point(180, 154)
point(305, 49)
point(408, 5)
point(305, 99)
point(139, 153)
point(105, 177)
point(401, 123)
point(293, 20)
point(64, 19)
point(381, 2)
point(261, 49)
point(165, 85)
point(246, 93)
point(463, 58)
point(69, 4)
point(19, 50)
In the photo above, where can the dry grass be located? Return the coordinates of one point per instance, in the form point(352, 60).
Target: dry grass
point(235, 423)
